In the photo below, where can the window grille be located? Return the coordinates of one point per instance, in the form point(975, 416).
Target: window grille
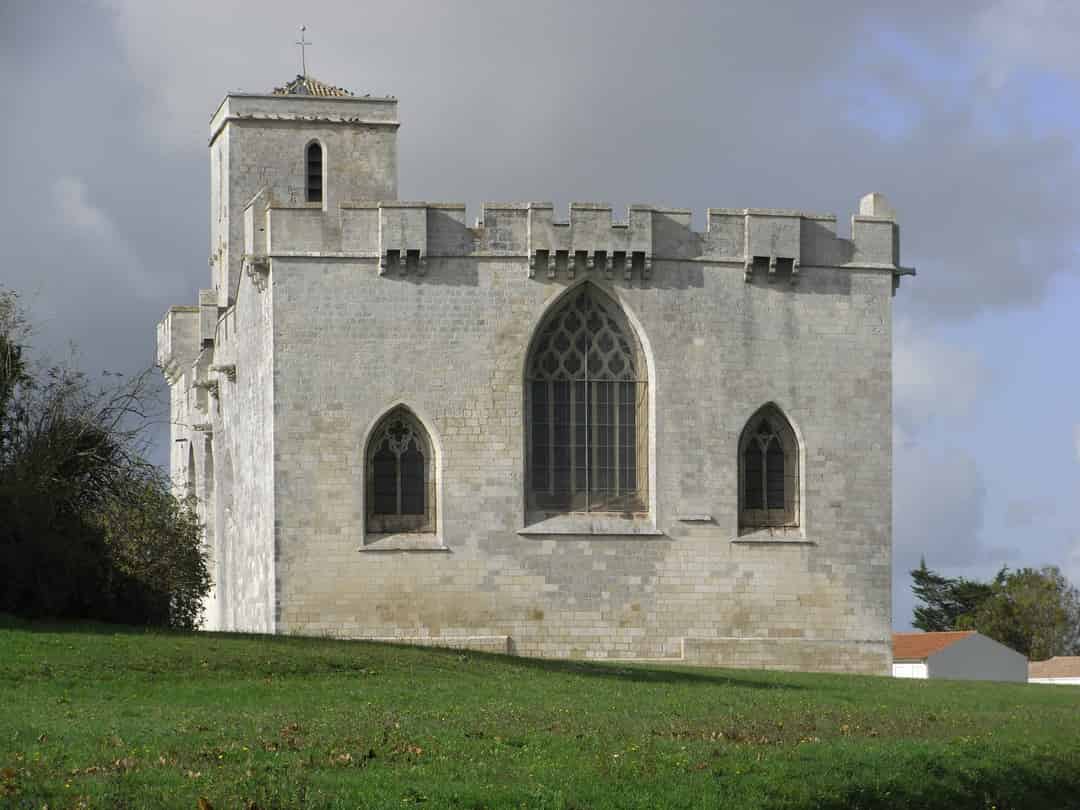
point(314, 173)
point(768, 472)
point(401, 491)
point(587, 410)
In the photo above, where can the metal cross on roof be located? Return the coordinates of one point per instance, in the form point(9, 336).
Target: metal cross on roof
point(303, 55)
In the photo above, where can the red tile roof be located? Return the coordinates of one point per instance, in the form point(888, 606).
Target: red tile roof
point(1060, 666)
point(919, 646)
point(309, 86)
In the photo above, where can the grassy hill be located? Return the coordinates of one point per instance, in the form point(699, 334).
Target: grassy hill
point(102, 716)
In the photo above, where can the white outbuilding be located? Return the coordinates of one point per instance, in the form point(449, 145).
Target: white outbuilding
point(1063, 669)
point(961, 655)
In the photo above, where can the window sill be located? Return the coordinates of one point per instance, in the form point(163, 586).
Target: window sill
point(590, 526)
point(404, 541)
point(787, 535)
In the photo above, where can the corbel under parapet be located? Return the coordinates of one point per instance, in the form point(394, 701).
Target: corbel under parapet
point(257, 269)
point(776, 267)
point(210, 386)
point(173, 373)
point(226, 369)
point(400, 260)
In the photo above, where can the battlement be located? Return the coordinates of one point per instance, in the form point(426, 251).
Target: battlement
point(403, 236)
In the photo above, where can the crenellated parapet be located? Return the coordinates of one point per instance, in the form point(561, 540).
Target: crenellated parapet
point(590, 240)
point(178, 342)
point(403, 238)
point(773, 244)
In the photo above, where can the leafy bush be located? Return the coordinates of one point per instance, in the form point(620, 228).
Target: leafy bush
point(88, 527)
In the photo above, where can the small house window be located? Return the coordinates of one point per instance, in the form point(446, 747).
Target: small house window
point(400, 476)
point(314, 173)
point(768, 472)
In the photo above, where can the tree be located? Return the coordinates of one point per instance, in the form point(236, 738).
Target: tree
point(88, 527)
point(1034, 611)
point(13, 332)
point(945, 600)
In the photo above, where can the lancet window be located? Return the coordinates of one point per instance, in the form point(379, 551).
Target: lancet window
point(587, 392)
point(400, 476)
point(314, 168)
point(768, 472)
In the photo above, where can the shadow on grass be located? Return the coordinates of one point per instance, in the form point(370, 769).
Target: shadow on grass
point(610, 670)
point(1006, 783)
point(80, 626)
point(675, 673)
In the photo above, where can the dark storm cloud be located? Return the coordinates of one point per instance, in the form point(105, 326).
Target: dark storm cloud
point(692, 104)
point(101, 227)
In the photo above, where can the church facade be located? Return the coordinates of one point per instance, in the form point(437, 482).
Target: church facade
point(572, 437)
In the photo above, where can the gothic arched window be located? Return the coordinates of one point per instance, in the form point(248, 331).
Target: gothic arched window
point(400, 476)
point(586, 410)
point(314, 172)
point(768, 472)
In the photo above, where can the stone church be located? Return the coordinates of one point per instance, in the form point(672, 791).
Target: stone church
point(585, 436)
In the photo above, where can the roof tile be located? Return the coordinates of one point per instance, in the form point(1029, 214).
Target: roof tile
point(309, 86)
point(917, 646)
point(1060, 666)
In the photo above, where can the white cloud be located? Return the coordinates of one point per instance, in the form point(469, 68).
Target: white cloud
point(932, 379)
point(938, 506)
point(1030, 33)
point(1022, 513)
point(939, 502)
point(79, 213)
point(92, 226)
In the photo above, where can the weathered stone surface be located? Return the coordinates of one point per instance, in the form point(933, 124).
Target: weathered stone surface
point(318, 335)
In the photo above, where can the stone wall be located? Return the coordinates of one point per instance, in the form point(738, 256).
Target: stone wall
point(349, 344)
point(244, 508)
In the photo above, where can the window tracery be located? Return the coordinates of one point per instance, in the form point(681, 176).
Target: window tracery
point(587, 410)
point(401, 487)
point(768, 472)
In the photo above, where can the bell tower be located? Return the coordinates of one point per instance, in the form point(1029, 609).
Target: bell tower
point(308, 145)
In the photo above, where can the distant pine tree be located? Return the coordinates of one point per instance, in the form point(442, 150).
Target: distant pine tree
point(944, 599)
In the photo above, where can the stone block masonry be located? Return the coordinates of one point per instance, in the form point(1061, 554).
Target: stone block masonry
point(324, 318)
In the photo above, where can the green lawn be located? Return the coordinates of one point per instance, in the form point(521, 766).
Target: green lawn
point(100, 716)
